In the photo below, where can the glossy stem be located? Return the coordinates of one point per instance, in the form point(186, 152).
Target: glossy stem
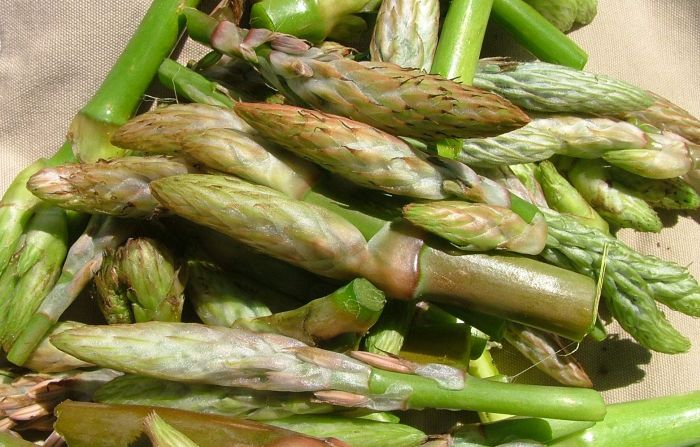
point(486, 395)
point(459, 47)
point(537, 34)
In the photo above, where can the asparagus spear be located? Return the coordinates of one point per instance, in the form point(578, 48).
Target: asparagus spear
point(463, 224)
point(18, 206)
point(628, 283)
point(380, 94)
point(153, 278)
point(551, 88)
point(563, 197)
point(88, 424)
point(561, 14)
point(544, 137)
point(114, 102)
point(352, 309)
point(376, 159)
point(116, 188)
point(406, 33)
point(231, 357)
point(665, 115)
point(667, 156)
point(178, 78)
point(238, 402)
point(33, 271)
point(161, 130)
point(614, 202)
point(321, 242)
point(109, 291)
point(83, 259)
point(47, 359)
point(672, 194)
point(163, 434)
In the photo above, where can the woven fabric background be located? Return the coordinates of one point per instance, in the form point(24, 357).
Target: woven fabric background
point(53, 55)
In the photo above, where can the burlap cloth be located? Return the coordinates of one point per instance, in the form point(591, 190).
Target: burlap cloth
point(53, 55)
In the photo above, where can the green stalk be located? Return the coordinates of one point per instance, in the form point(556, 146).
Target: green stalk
point(83, 259)
point(537, 34)
point(18, 206)
point(352, 309)
point(34, 270)
point(563, 197)
point(459, 47)
point(191, 85)
point(86, 424)
point(122, 90)
point(486, 395)
point(663, 421)
point(111, 106)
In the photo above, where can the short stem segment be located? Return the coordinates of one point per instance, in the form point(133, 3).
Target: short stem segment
point(537, 34)
point(191, 85)
point(487, 395)
point(459, 47)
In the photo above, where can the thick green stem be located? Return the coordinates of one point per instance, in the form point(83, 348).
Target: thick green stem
point(537, 34)
point(84, 258)
point(459, 47)
point(191, 85)
point(670, 420)
point(121, 92)
point(487, 395)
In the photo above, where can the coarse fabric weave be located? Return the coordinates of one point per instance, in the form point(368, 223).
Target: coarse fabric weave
point(53, 56)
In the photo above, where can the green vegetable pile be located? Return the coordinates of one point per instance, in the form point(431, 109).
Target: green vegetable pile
point(328, 230)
